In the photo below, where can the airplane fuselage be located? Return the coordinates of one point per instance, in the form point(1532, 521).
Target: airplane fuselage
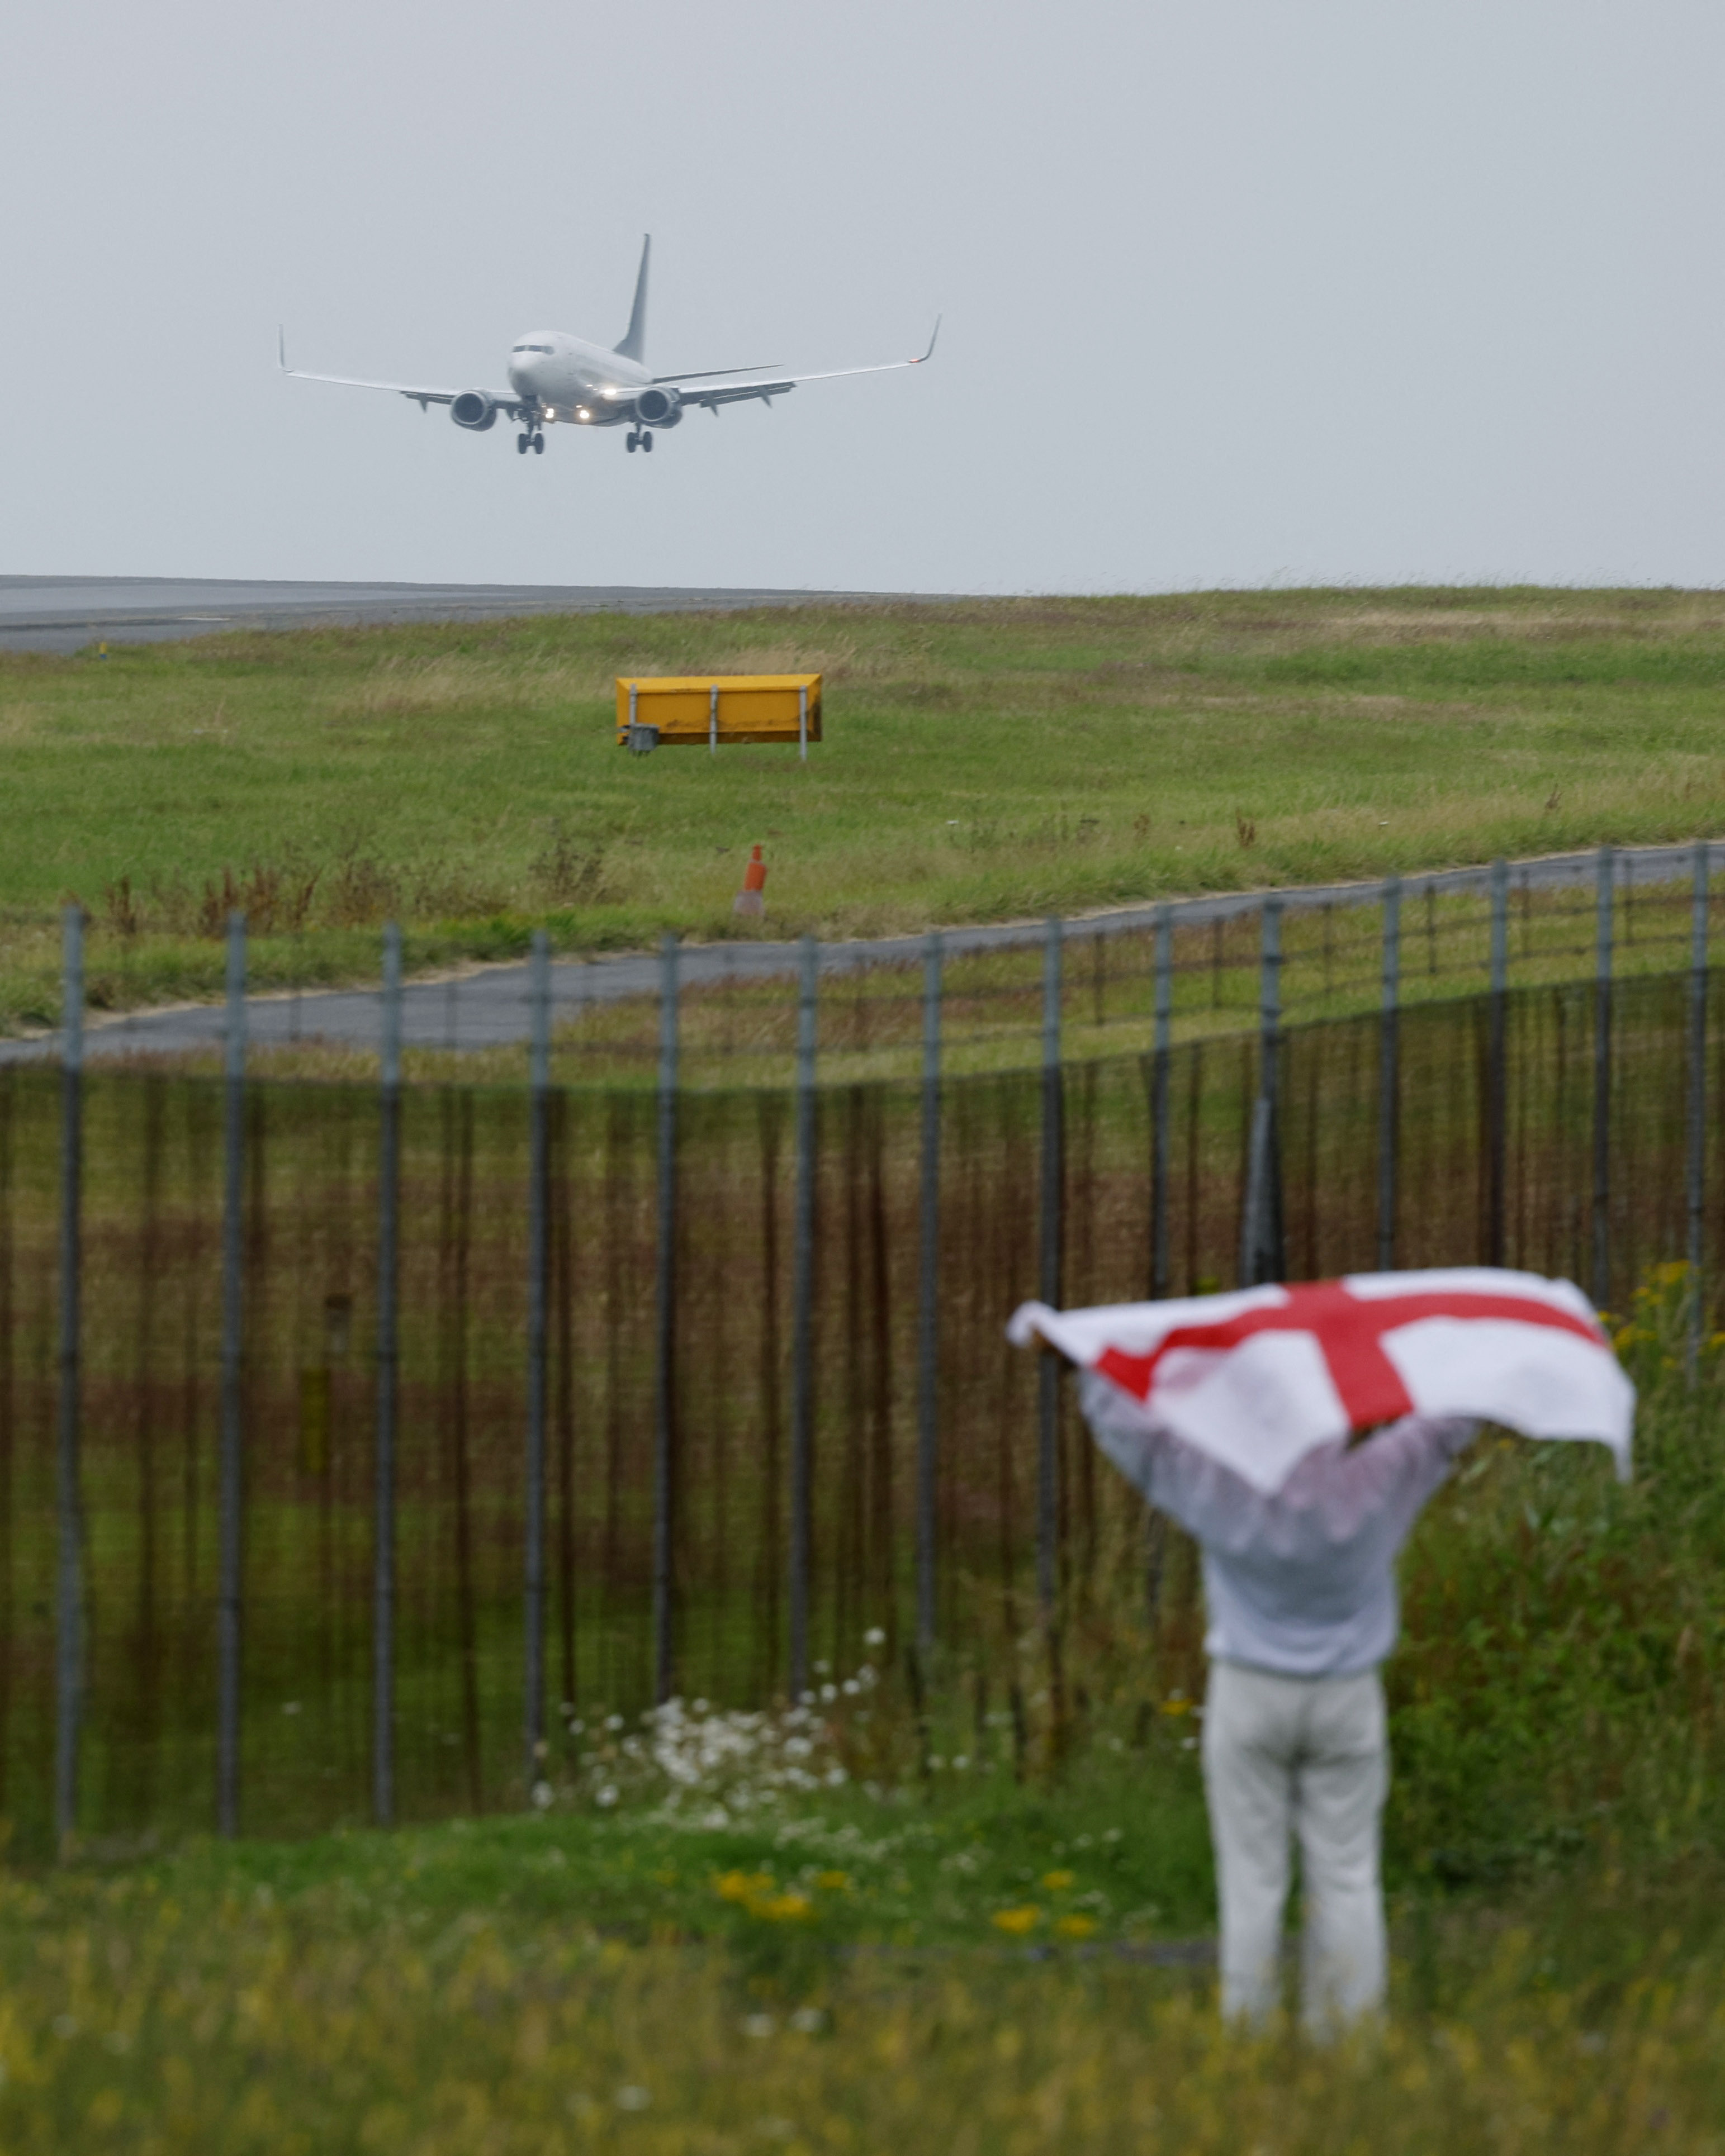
point(579, 383)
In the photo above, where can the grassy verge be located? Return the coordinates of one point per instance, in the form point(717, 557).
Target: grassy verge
point(212, 2007)
point(984, 759)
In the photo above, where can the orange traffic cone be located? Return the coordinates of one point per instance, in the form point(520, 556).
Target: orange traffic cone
point(752, 899)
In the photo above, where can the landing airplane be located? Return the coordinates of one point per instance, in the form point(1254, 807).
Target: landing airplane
point(555, 377)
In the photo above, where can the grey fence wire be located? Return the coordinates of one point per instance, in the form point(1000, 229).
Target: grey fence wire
point(359, 1440)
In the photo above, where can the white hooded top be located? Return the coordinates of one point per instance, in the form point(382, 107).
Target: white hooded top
point(1303, 1582)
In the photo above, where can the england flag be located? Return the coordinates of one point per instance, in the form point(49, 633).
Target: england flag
point(1258, 1379)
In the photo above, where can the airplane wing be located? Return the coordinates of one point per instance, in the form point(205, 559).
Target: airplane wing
point(422, 397)
point(712, 390)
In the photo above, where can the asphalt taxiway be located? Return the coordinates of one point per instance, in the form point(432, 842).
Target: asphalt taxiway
point(489, 1006)
point(68, 613)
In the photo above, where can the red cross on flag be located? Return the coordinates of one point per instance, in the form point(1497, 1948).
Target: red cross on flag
point(1258, 1379)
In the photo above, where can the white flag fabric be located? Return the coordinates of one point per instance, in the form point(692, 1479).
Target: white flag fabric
point(1258, 1379)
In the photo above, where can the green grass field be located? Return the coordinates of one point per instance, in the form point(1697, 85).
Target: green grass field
point(984, 759)
point(524, 1989)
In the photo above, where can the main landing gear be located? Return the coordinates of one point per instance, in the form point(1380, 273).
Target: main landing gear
point(640, 438)
point(535, 441)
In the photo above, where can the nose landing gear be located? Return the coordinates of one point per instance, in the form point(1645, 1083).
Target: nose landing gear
point(534, 441)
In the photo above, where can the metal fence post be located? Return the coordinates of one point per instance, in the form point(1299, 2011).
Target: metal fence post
point(1603, 902)
point(1262, 1256)
point(1496, 1076)
point(1389, 1072)
point(1048, 1374)
point(232, 1517)
point(928, 1289)
point(538, 1300)
point(803, 1321)
point(1270, 995)
point(1161, 1045)
point(387, 1380)
point(69, 1581)
point(665, 1389)
point(712, 721)
point(1696, 1135)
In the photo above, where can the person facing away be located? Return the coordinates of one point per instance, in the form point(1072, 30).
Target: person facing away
point(1300, 1590)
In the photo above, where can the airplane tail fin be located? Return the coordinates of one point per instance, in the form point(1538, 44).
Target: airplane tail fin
point(634, 341)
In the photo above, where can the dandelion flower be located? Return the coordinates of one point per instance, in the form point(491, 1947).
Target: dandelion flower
point(742, 1886)
point(1017, 1921)
point(1057, 1882)
point(1076, 1926)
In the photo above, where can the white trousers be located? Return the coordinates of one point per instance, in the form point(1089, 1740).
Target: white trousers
point(1301, 1758)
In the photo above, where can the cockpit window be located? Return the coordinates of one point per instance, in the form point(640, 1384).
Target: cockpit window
point(545, 348)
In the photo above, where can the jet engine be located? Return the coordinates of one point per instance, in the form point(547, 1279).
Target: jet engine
point(659, 408)
point(474, 410)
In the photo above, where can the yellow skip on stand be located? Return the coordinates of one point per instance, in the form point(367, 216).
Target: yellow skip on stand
point(701, 710)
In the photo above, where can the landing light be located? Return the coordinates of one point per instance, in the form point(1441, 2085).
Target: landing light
point(582, 414)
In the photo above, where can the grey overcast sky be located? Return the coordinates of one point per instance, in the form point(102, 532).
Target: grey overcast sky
point(1243, 292)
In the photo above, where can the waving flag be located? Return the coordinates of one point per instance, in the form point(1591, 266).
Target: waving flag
point(1258, 1379)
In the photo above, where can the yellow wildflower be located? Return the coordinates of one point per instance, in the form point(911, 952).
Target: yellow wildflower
point(1057, 1882)
point(1018, 1920)
point(1076, 1926)
point(742, 1886)
point(833, 1882)
point(783, 1908)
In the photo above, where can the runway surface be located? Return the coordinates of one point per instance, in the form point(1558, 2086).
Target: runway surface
point(489, 1007)
point(66, 613)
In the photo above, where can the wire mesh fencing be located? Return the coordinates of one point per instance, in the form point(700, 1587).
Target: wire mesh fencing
point(358, 1441)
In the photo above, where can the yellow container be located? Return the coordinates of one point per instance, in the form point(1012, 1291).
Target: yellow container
point(693, 710)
